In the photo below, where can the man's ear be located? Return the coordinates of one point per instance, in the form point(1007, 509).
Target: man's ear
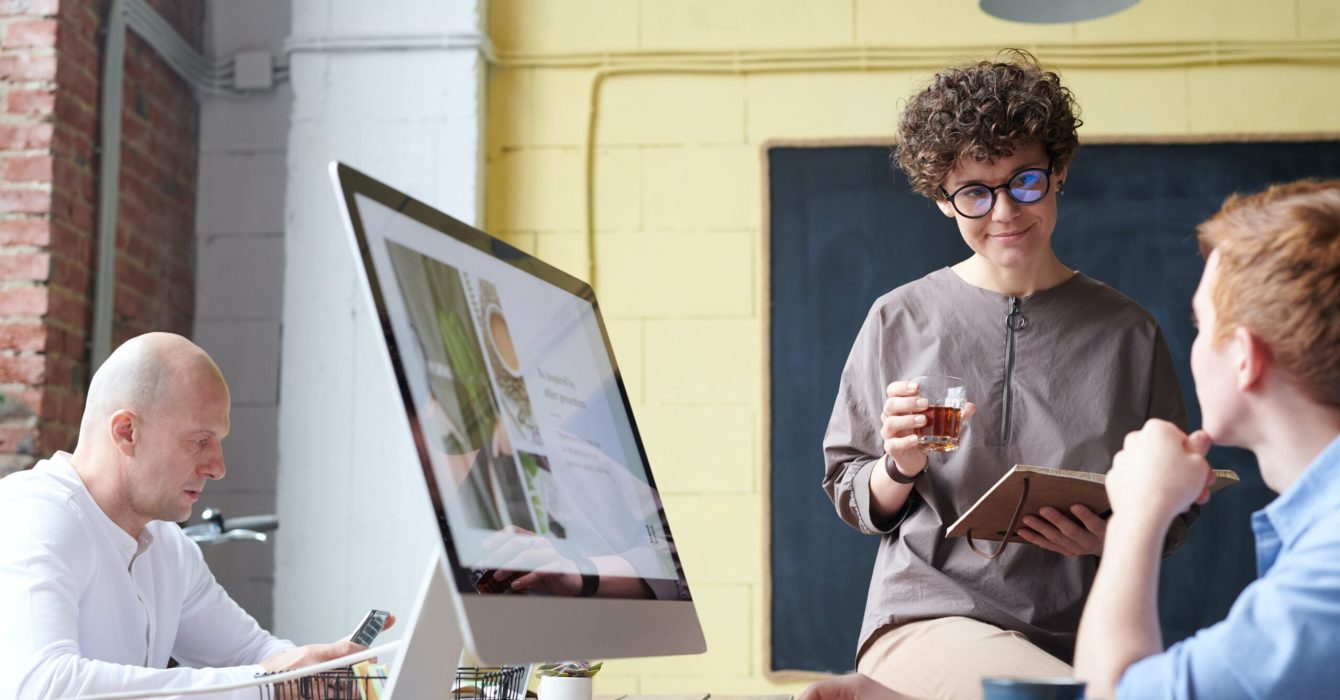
point(125, 431)
point(1251, 358)
point(945, 207)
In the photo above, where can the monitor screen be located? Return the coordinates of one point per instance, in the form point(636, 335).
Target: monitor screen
point(529, 448)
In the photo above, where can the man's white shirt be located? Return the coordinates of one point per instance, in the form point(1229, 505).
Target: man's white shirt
point(86, 608)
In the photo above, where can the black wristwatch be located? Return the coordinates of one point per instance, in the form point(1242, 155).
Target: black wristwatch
point(892, 470)
point(590, 579)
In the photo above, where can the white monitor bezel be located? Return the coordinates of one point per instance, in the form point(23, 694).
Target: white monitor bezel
point(517, 629)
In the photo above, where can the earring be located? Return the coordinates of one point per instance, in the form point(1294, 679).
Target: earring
point(1060, 187)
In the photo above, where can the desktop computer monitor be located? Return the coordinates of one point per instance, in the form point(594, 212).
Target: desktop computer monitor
point(555, 544)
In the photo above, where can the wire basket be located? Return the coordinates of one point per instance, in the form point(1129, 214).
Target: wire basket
point(340, 684)
point(505, 683)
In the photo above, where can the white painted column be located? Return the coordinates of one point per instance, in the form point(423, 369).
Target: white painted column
point(371, 87)
point(240, 283)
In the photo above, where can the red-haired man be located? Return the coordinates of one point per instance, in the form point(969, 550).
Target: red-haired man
point(1267, 370)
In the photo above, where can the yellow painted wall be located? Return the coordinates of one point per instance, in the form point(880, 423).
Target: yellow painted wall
point(679, 202)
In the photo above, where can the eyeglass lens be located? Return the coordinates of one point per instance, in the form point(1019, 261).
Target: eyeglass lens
point(1026, 187)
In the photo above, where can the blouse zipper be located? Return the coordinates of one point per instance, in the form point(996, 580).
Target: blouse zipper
point(1014, 321)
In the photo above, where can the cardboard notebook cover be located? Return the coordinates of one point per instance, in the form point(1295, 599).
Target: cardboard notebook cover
point(990, 516)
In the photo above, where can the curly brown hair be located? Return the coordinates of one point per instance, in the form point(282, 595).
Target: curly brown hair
point(985, 110)
point(1279, 276)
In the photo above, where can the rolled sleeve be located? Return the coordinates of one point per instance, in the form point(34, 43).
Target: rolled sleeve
point(1151, 677)
point(1279, 640)
point(858, 505)
point(1200, 667)
point(852, 445)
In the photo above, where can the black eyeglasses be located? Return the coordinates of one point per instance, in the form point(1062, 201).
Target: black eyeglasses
point(1025, 187)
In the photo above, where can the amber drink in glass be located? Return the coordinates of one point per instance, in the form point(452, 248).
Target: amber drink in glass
point(944, 418)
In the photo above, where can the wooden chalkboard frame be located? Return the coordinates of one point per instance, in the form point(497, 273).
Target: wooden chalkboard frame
point(764, 291)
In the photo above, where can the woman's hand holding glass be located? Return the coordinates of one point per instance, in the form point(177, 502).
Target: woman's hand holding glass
point(904, 414)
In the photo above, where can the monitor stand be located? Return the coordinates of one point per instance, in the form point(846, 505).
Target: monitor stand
point(431, 645)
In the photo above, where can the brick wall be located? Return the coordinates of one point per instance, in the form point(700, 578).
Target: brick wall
point(50, 67)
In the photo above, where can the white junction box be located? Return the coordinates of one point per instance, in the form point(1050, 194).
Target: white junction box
point(253, 70)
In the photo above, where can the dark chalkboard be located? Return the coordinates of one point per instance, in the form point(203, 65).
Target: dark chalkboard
point(845, 229)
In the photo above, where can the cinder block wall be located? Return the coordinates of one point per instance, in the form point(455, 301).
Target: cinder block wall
point(679, 211)
point(239, 247)
point(50, 67)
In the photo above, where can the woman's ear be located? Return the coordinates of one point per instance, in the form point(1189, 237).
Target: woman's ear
point(946, 207)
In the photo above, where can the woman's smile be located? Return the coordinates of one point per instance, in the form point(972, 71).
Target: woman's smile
point(1011, 235)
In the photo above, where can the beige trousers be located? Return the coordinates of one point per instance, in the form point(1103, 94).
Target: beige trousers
point(948, 657)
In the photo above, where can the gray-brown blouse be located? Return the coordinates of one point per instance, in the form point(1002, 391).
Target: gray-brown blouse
point(1059, 379)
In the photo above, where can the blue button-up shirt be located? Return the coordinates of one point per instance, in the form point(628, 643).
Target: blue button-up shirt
point(1282, 637)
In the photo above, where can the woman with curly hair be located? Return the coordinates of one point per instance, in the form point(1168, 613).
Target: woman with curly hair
point(1061, 367)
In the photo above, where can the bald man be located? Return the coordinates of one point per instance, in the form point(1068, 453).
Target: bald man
point(98, 585)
